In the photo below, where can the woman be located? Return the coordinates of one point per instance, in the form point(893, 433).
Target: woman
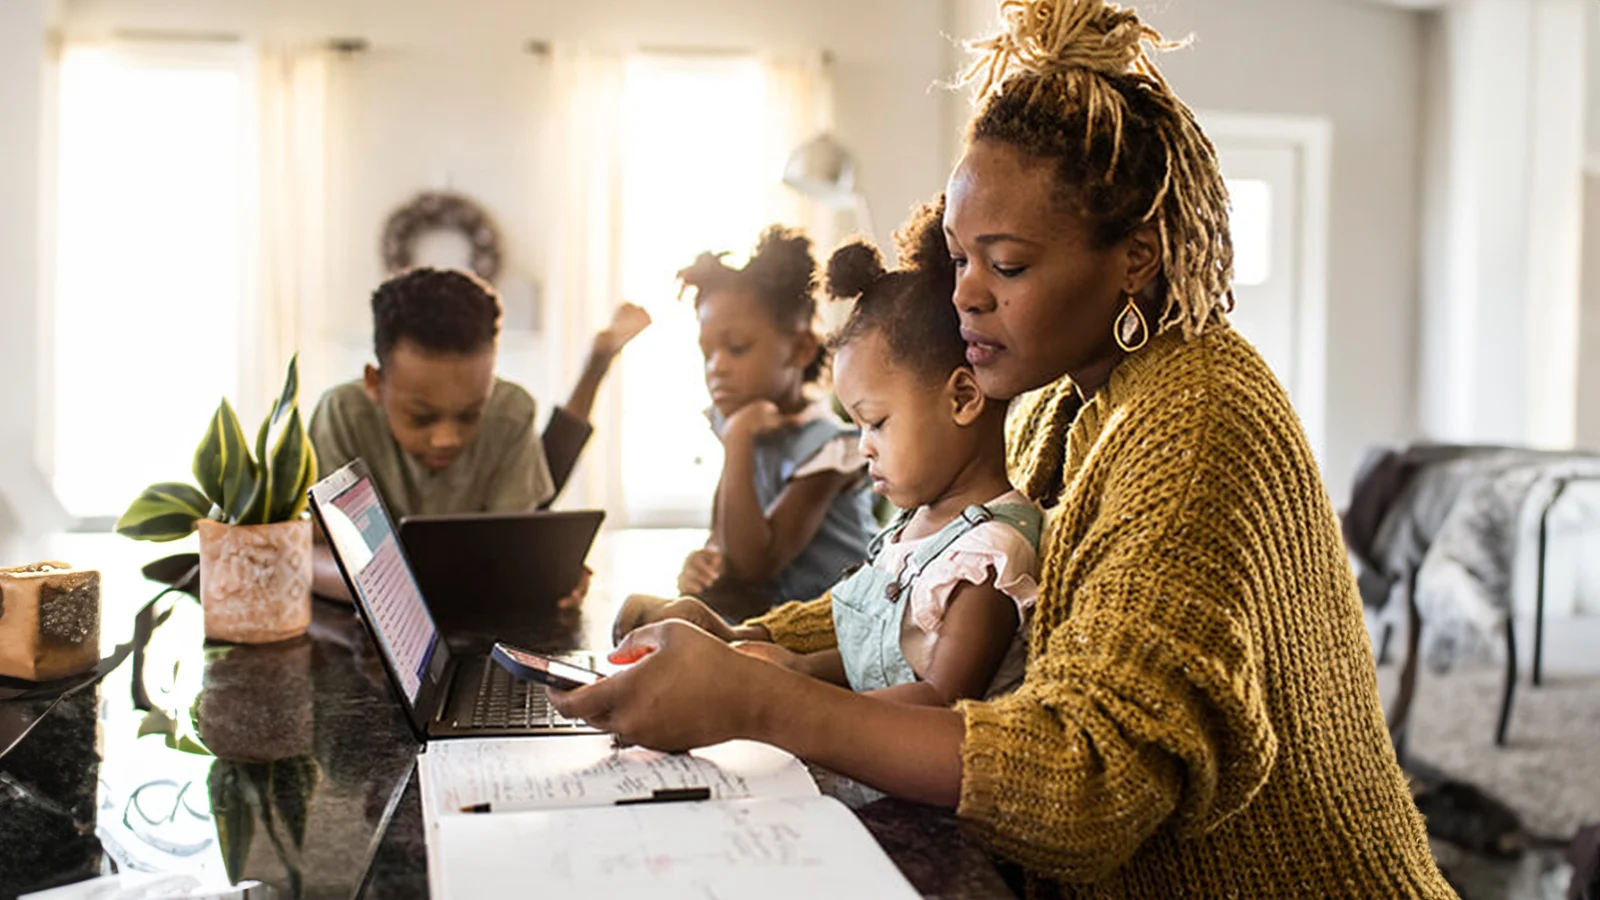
point(1200, 713)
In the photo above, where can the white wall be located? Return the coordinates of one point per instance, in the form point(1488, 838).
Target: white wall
point(22, 48)
point(1587, 430)
point(968, 20)
point(1588, 421)
point(1357, 65)
point(1555, 210)
point(1501, 267)
point(1472, 263)
point(1592, 130)
point(407, 119)
point(26, 504)
point(442, 96)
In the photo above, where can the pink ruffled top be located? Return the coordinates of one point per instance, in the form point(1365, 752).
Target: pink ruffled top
point(993, 549)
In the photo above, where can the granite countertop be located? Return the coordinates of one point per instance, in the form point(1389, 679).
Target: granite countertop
point(312, 755)
point(313, 789)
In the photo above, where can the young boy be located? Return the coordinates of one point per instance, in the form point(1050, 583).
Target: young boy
point(439, 432)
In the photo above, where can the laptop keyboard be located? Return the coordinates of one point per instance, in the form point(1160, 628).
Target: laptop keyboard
point(507, 702)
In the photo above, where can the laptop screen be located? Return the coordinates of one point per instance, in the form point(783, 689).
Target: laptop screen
point(361, 534)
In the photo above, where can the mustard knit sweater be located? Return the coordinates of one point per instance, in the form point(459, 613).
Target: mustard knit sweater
point(1200, 716)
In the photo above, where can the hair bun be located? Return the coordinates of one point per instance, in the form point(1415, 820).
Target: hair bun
point(1051, 37)
point(921, 243)
point(782, 258)
point(853, 268)
point(704, 263)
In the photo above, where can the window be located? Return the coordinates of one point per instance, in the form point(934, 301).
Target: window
point(150, 266)
point(694, 178)
point(1261, 181)
point(1250, 225)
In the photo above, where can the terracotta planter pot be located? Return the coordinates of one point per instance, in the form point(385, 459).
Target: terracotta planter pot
point(256, 703)
point(255, 580)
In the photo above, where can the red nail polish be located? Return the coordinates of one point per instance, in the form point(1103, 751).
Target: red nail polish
point(622, 658)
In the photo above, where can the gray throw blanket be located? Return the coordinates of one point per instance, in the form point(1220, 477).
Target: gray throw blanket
point(1456, 524)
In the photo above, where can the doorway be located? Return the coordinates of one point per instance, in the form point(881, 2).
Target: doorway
point(1277, 172)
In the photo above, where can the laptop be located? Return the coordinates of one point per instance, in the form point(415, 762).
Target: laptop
point(491, 577)
point(444, 694)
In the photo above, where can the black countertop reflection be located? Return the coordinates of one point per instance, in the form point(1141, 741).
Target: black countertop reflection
point(287, 763)
point(275, 763)
point(48, 785)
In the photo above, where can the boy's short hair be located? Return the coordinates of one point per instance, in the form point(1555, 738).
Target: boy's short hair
point(440, 310)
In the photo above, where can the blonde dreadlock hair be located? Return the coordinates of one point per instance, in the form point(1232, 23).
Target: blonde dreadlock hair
point(1073, 81)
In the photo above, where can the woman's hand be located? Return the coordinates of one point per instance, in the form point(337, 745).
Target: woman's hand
point(688, 689)
point(701, 570)
point(640, 610)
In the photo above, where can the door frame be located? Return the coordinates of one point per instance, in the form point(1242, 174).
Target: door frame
point(1312, 139)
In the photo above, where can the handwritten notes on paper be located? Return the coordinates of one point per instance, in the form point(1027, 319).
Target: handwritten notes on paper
point(555, 828)
point(771, 849)
point(584, 770)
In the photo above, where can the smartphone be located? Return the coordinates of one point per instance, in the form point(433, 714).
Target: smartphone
point(530, 666)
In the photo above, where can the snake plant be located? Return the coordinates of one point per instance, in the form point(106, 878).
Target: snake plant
point(235, 486)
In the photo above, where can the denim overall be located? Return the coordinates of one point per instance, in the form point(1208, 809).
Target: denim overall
point(869, 606)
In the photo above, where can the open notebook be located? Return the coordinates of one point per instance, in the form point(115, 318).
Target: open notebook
point(555, 826)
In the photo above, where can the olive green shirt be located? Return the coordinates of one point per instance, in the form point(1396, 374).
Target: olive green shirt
point(502, 470)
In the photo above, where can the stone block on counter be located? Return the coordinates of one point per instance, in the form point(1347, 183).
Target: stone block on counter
point(49, 621)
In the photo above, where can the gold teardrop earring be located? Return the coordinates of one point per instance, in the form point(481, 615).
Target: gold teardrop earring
point(1130, 329)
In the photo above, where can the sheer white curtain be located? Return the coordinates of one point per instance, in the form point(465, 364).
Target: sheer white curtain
point(188, 202)
point(658, 157)
point(799, 107)
point(291, 264)
point(153, 190)
point(583, 180)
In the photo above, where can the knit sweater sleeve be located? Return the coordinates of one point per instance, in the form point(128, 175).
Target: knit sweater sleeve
point(802, 627)
point(1143, 706)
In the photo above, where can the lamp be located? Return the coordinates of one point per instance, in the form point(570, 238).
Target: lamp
point(822, 169)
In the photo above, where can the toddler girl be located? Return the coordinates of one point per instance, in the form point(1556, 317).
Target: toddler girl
point(938, 613)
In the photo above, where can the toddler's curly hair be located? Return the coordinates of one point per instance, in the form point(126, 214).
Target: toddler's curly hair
point(909, 306)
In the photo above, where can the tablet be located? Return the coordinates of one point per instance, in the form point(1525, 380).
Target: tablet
point(498, 575)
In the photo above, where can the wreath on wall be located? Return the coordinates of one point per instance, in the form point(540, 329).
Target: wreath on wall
point(438, 211)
